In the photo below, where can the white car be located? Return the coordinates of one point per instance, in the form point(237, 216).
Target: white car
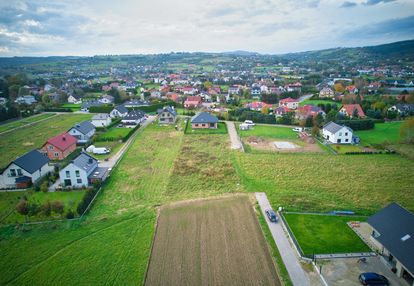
point(298, 129)
point(249, 122)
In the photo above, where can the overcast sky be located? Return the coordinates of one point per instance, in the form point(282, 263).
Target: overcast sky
point(91, 27)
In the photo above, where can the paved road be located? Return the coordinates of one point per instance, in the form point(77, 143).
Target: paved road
point(296, 273)
point(234, 137)
point(305, 97)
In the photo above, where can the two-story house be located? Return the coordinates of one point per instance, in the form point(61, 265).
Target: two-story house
point(167, 115)
point(83, 132)
point(101, 120)
point(60, 146)
point(337, 134)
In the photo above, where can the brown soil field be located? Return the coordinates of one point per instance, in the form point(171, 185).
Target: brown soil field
point(267, 144)
point(210, 242)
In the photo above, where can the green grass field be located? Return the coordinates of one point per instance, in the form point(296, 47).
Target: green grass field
point(268, 131)
point(322, 182)
point(27, 138)
point(342, 149)
point(316, 102)
point(21, 122)
point(221, 129)
point(382, 133)
point(114, 146)
point(74, 107)
point(114, 134)
point(322, 234)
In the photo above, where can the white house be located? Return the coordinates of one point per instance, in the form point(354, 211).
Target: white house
point(289, 103)
point(26, 99)
point(133, 118)
point(119, 111)
point(167, 115)
point(25, 170)
point(326, 92)
point(74, 99)
point(82, 172)
point(101, 120)
point(106, 99)
point(335, 133)
point(83, 131)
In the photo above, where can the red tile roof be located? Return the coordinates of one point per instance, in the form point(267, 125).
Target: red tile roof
point(62, 141)
point(289, 99)
point(349, 108)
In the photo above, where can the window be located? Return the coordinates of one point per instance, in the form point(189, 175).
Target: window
point(346, 133)
point(50, 147)
point(346, 140)
point(67, 174)
point(56, 154)
point(19, 172)
point(79, 181)
point(203, 125)
point(340, 133)
point(13, 172)
point(196, 125)
point(77, 173)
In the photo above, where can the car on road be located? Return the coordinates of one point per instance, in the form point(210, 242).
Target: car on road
point(249, 122)
point(298, 129)
point(371, 278)
point(271, 215)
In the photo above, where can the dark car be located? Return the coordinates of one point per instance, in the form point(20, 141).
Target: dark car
point(371, 278)
point(271, 215)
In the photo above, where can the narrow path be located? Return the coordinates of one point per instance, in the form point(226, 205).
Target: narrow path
point(234, 137)
point(291, 261)
point(28, 124)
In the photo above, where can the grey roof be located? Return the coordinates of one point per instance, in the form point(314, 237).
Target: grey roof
point(84, 127)
point(333, 127)
point(393, 223)
point(136, 103)
point(134, 115)
point(405, 107)
point(32, 161)
point(204, 117)
point(169, 109)
point(85, 162)
point(100, 116)
point(98, 173)
point(121, 108)
point(89, 103)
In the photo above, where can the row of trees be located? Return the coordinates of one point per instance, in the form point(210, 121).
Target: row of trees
point(29, 209)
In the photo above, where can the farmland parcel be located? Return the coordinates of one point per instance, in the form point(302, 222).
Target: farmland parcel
point(211, 242)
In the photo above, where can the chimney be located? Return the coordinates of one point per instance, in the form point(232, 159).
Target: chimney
point(90, 161)
point(64, 138)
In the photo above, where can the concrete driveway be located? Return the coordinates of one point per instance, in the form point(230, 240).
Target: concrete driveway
point(291, 261)
point(234, 137)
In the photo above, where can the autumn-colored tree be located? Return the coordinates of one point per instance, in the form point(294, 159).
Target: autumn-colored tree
point(22, 208)
point(207, 85)
point(58, 207)
point(379, 105)
point(315, 131)
point(339, 87)
point(407, 130)
point(265, 110)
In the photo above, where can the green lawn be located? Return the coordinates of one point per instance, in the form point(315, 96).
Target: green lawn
point(382, 133)
point(318, 101)
point(322, 234)
point(114, 134)
point(268, 131)
point(24, 139)
point(114, 146)
point(221, 129)
point(342, 149)
point(24, 121)
point(322, 182)
point(74, 107)
point(8, 201)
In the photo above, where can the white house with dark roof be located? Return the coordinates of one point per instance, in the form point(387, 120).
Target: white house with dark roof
point(133, 118)
point(25, 170)
point(337, 134)
point(101, 120)
point(119, 111)
point(167, 115)
point(393, 235)
point(83, 131)
point(82, 172)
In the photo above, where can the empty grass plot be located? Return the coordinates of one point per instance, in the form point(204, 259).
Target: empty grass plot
point(210, 242)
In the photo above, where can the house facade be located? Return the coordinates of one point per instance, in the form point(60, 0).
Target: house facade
point(337, 134)
point(326, 92)
point(133, 118)
point(193, 102)
point(167, 115)
point(74, 99)
point(289, 103)
point(25, 170)
point(60, 146)
point(119, 111)
point(83, 132)
point(392, 232)
point(101, 120)
point(352, 110)
point(82, 172)
point(204, 120)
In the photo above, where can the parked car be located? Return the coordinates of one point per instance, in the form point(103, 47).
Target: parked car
point(249, 122)
point(271, 215)
point(101, 150)
point(371, 278)
point(298, 129)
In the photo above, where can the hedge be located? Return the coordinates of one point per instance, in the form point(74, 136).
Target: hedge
point(364, 124)
point(101, 109)
point(154, 107)
point(58, 109)
point(130, 133)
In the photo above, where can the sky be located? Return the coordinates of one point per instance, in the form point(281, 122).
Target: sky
point(103, 27)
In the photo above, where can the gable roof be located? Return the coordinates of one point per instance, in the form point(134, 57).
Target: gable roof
point(193, 99)
point(100, 116)
point(168, 109)
point(134, 115)
point(204, 117)
point(89, 103)
point(62, 141)
point(84, 127)
point(289, 99)
point(121, 108)
point(333, 127)
point(393, 223)
point(31, 161)
point(85, 162)
point(349, 108)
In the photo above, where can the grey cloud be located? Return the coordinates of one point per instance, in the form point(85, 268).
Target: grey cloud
point(375, 2)
point(270, 29)
point(348, 4)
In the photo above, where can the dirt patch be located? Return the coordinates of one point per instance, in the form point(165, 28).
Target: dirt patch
point(27, 143)
point(267, 144)
point(210, 242)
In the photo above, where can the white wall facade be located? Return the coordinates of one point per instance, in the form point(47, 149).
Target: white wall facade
point(342, 136)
